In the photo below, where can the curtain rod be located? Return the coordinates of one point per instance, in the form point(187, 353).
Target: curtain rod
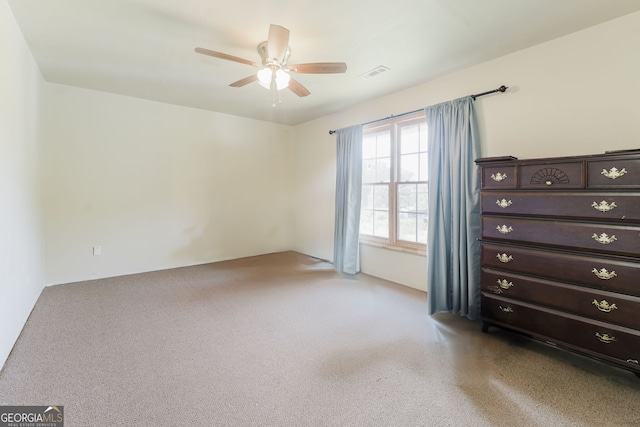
point(502, 88)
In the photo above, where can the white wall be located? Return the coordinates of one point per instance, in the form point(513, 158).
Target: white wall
point(21, 247)
point(574, 95)
point(157, 186)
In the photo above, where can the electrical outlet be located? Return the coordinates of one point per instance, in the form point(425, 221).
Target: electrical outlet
point(97, 250)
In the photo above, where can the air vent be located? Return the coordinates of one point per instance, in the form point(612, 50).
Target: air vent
point(378, 70)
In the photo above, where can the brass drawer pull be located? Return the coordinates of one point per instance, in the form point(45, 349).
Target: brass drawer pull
point(604, 274)
point(506, 309)
point(504, 229)
point(504, 284)
point(604, 238)
point(605, 338)
point(614, 173)
point(504, 203)
point(603, 206)
point(504, 258)
point(604, 306)
point(499, 177)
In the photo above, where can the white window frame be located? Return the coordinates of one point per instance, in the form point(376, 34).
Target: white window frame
point(393, 125)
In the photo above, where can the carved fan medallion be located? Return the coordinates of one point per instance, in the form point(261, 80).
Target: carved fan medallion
point(550, 176)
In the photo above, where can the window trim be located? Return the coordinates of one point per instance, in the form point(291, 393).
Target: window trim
point(394, 124)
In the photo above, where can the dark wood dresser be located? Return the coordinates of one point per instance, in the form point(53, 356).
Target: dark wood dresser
point(561, 252)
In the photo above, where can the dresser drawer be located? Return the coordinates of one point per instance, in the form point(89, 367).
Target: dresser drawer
point(597, 338)
point(588, 205)
point(497, 177)
point(601, 273)
point(610, 307)
point(615, 239)
point(621, 173)
point(551, 175)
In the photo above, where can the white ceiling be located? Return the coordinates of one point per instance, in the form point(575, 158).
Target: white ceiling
point(145, 48)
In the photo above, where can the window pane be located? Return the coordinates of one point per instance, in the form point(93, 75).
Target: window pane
point(383, 170)
point(381, 197)
point(410, 139)
point(368, 171)
point(369, 147)
point(367, 197)
point(423, 199)
point(384, 144)
point(409, 167)
point(423, 137)
point(422, 228)
point(366, 222)
point(407, 197)
point(423, 167)
point(381, 224)
point(407, 227)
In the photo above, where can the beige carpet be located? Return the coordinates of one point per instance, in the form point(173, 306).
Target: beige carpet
point(282, 340)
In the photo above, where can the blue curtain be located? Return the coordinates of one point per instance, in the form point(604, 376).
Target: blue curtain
point(346, 255)
point(453, 249)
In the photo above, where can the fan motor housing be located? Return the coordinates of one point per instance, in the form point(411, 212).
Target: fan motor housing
point(263, 51)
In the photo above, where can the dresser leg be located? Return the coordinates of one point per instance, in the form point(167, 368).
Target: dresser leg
point(485, 327)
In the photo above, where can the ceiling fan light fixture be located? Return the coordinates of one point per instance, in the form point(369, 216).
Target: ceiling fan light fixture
point(282, 79)
point(271, 75)
point(264, 77)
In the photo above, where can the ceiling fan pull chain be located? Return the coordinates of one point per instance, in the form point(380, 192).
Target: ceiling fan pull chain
point(273, 94)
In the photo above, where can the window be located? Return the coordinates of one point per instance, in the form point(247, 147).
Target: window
point(394, 184)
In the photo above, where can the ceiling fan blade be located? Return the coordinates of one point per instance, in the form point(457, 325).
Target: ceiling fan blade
point(252, 78)
point(319, 68)
point(224, 56)
point(297, 88)
point(278, 42)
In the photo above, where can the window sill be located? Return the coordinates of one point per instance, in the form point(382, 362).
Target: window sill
point(397, 248)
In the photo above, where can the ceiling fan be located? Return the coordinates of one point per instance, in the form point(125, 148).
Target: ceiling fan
point(274, 72)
